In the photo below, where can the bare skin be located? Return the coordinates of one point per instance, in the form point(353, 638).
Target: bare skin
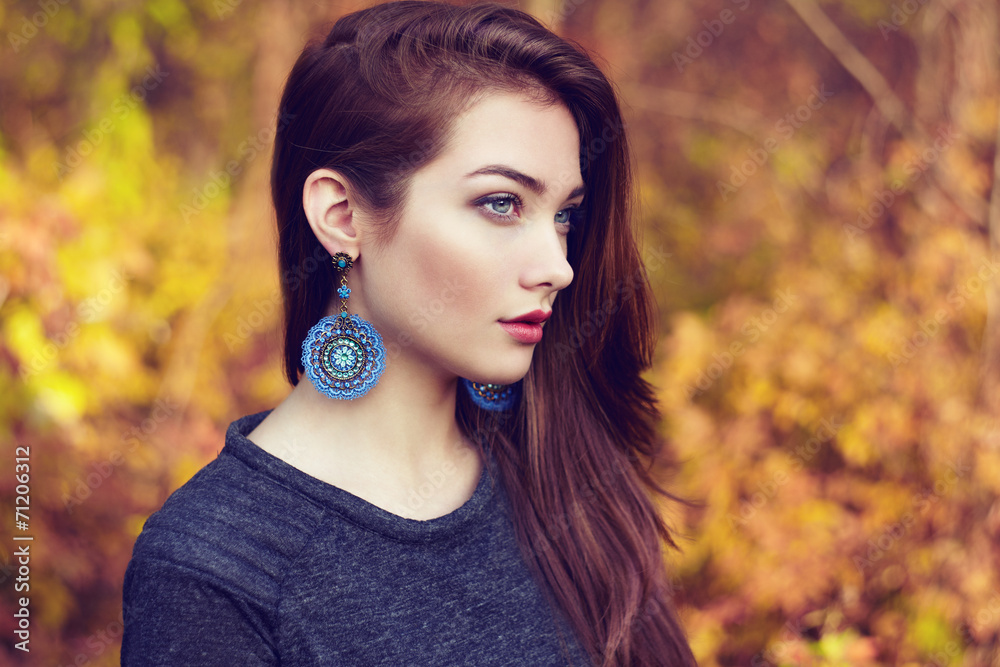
point(436, 293)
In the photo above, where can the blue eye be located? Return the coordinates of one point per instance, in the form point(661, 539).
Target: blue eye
point(500, 205)
point(504, 204)
point(572, 216)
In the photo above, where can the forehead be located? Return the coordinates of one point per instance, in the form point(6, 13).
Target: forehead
point(512, 129)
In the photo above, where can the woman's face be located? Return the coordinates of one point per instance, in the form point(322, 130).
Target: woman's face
point(482, 240)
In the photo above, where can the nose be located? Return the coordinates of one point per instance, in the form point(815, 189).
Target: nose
point(545, 264)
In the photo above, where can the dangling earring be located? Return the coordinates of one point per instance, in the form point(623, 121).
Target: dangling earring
point(343, 355)
point(493, 397)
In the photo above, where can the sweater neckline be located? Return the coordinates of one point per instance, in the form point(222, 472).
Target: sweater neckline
point(354, 508)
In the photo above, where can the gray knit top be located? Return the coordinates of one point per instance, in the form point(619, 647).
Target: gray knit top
point(254, 562)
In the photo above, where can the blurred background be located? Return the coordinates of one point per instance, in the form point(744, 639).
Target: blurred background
point(820, 209)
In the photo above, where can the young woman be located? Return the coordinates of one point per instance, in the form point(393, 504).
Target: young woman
point(463, 477)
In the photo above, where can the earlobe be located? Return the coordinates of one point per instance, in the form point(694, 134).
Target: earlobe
point(329, 208)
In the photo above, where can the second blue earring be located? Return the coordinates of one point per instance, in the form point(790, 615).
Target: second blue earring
point(493, 397)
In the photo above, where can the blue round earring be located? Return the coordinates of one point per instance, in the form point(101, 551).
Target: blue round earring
point(343, 355)
point(493, 397)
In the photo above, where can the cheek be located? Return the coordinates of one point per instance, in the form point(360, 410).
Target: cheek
point(444, 270)
point(457, 283)
point(440, 279)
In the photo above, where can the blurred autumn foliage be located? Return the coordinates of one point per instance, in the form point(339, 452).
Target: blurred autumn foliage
point(820, 207)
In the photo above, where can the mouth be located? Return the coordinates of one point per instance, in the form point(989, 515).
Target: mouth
point(523, 332)
point(534, 317)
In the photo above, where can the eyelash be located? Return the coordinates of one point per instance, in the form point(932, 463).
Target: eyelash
point(576, 213)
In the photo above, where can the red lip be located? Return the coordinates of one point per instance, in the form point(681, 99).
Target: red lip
point(523, 332)
point(535, 317)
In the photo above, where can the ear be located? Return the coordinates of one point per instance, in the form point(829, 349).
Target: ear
point(331, 211)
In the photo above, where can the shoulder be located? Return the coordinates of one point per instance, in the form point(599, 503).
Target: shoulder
point(231, 525)
point(206, 574)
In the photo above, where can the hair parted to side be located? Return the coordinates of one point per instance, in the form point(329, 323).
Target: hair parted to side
point(376, 100)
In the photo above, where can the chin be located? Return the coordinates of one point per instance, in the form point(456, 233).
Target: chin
point(507, 366)
point(506, 376)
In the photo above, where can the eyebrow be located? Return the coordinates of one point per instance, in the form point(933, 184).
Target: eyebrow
point(533, 184)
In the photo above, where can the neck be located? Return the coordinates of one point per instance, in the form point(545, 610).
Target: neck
point(403, 427)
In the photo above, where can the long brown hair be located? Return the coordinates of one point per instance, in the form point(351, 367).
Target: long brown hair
point(375, 100)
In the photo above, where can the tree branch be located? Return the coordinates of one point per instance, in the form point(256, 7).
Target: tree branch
point(887, 102)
